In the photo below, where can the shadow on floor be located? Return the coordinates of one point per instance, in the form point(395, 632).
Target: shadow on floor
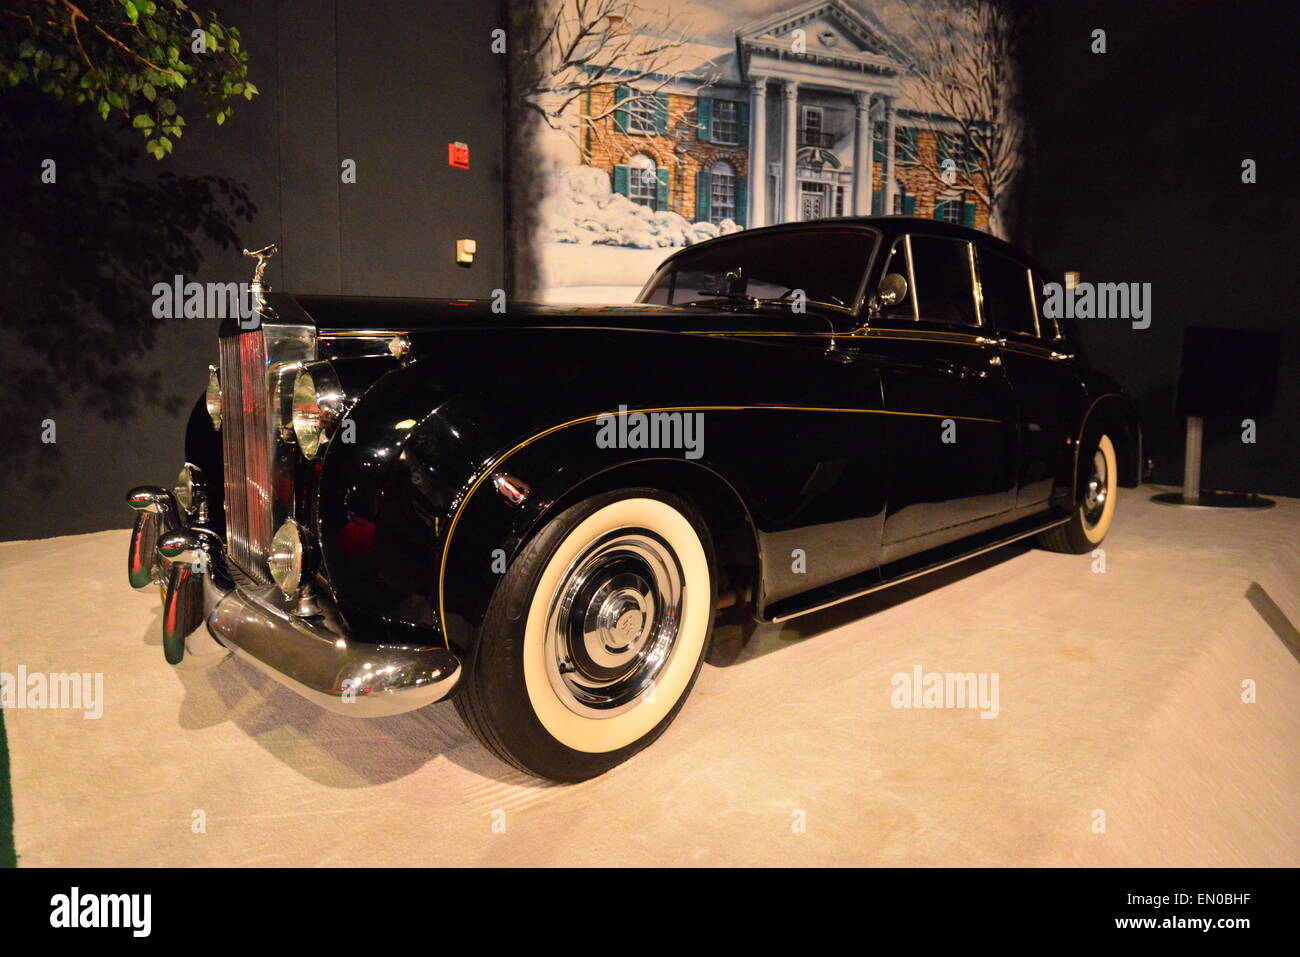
point(343, 752)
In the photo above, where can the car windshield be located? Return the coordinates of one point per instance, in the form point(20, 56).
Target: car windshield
point(827, 265)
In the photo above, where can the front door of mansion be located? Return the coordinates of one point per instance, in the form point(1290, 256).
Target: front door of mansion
point(812, 200)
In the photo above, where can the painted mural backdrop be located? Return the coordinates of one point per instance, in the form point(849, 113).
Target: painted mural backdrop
point(655, 125)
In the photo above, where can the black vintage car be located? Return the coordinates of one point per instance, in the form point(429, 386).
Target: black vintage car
point(386, 502)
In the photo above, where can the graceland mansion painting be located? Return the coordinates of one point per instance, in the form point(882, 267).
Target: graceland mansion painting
point(641, 126)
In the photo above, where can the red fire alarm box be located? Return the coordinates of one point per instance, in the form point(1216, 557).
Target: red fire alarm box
point(458, 155)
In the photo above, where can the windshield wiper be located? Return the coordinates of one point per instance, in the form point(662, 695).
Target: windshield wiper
point(732, 297)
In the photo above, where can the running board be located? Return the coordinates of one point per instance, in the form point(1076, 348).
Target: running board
point(867, 582)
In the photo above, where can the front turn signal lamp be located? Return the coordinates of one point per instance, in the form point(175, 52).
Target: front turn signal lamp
point(317, 407)
point(212, 398)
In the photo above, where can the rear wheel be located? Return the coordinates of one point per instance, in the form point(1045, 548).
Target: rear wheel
point(1091, 520)
point(594, 636)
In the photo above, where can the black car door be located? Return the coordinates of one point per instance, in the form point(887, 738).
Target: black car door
point(1048, 392)
point(952, 423)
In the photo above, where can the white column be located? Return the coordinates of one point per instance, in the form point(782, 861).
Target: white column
point(757, 152)
point(887, 167)
point(790, 153)
point(861, 153)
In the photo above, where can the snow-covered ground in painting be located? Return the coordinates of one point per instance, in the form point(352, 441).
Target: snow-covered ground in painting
point(582, 273)
point(596, 245)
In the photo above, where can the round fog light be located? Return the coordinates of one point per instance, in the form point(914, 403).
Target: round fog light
point(184, 489)
point(287, 558)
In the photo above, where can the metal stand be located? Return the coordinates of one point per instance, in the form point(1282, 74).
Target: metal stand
point(1192, 495)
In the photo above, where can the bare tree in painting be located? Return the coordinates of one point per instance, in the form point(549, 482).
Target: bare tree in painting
point(576, 46)
point(966, 68)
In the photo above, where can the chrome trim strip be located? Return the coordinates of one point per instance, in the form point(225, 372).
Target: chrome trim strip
point(911, 278)
point(361, 333)
point(918, 574)
point(1033, 298)
point(977, 288)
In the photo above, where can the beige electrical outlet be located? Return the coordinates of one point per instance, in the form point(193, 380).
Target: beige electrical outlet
point(465, 250)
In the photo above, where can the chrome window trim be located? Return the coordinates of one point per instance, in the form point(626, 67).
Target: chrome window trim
point(911, 278)
point(976, 287)
point(1033, 299)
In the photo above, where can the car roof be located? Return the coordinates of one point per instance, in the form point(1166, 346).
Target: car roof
point(891, 226)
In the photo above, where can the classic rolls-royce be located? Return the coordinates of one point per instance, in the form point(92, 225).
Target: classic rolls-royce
point(538, 510)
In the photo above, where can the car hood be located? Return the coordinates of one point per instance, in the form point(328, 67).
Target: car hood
point(410, 315)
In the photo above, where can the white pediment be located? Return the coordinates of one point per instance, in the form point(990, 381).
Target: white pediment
point(830, 28)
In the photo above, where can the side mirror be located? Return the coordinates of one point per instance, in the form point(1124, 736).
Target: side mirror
point(892, 289)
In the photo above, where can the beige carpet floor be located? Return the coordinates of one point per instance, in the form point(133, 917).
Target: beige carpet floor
point(1120, 695)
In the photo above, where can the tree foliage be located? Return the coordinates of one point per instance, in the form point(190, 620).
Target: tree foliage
point(131, 59)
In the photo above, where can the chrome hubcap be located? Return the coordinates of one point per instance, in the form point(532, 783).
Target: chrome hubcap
point(1094, 496)
point(613, 622)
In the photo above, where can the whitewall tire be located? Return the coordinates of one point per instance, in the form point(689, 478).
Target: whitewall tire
point(594, 636)
point(1095, 509)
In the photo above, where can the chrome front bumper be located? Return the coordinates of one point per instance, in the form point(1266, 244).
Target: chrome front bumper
point(311, 654)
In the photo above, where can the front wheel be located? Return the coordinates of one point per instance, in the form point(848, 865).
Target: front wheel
point(594, 636)
point(1092, 517)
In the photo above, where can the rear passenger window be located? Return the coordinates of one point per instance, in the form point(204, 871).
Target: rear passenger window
point(942, 272)
point(1008, 298)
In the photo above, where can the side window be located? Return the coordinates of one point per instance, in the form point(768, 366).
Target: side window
point(942, 279)
point(1008, 296)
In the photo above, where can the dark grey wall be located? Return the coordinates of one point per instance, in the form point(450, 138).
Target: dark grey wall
point(1134, 175)
point(386, 85)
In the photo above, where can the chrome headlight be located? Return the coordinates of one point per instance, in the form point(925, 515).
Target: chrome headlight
point(317, 403)
point(289, 556)
point(212, 398)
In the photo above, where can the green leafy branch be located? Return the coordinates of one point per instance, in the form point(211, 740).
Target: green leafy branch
point(131, 58)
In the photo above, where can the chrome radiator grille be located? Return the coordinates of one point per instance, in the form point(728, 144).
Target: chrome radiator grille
point(245, 437)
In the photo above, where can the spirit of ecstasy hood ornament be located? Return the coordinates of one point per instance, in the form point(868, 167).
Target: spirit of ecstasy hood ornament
point(258, 288)
point(262, 256)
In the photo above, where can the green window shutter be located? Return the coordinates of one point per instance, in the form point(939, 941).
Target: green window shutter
point(968, 214)
point(661, 195)
point(906, 144)
point(661, 113)
point(909, 205)
point(878, 142)
point(702, 195)
point(742, 208)
point(621, 93)
point(878, 202)
point(742, 110)
point(704, 119)
point(620, 180)
point(938, 208)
